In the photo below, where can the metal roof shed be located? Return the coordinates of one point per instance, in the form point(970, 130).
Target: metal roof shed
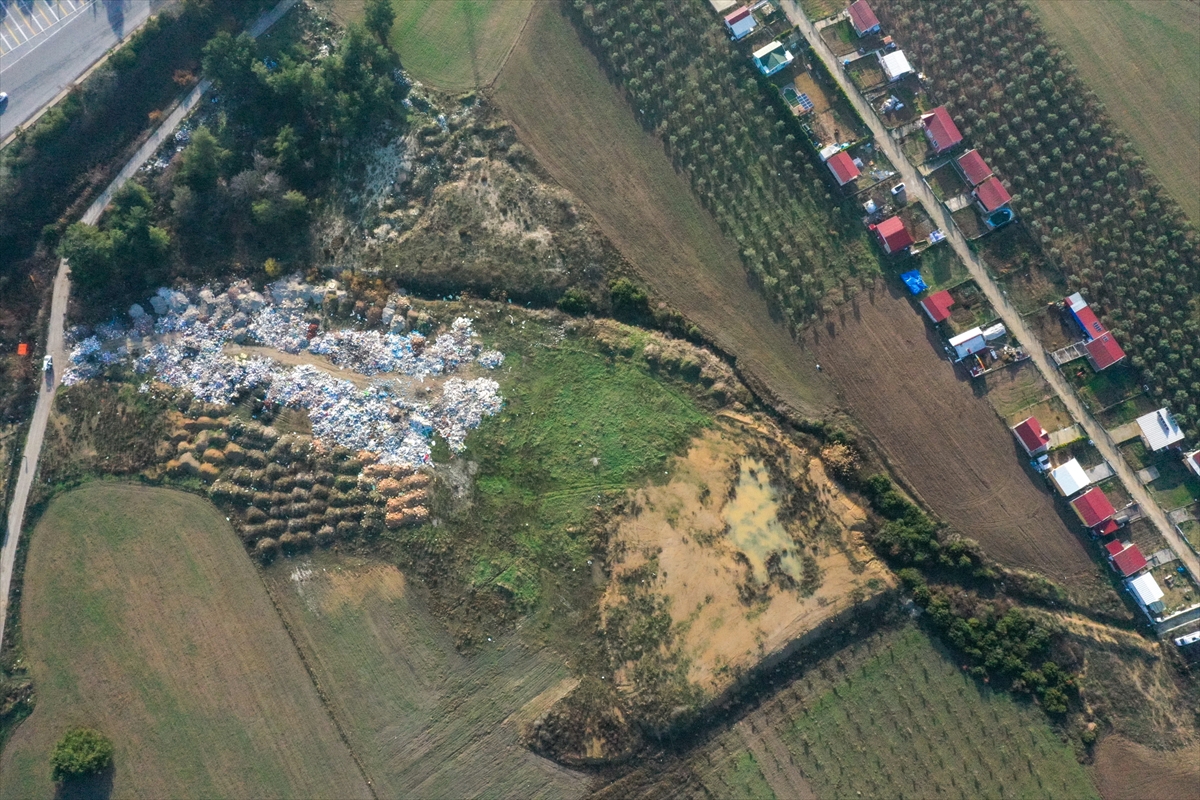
point(1069, 478)
point(968, 342)
point(895, 65)
point(1147, 591)
point(1159, 429)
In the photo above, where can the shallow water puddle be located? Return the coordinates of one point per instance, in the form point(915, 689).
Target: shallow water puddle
point(754, 527)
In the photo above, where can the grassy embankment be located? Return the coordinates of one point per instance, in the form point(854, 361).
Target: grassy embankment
point(143, 618)
point(579, 427)
point(451, 45)
point(586, 136)
point(1139, 56)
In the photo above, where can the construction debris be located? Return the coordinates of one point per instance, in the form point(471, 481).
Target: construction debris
point(185, 333)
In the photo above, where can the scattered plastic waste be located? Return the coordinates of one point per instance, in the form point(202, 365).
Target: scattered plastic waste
point(190, 330)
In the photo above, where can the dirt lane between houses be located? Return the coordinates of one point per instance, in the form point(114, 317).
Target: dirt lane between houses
point(946, 442)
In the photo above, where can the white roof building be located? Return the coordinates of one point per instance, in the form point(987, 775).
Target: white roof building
point(1159, 429)
point(1069, 478)
point(1192, 460)
point(895, 65)
point(1147, 591)
point(968, 342)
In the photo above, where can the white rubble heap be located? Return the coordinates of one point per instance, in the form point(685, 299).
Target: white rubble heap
point(193, 328)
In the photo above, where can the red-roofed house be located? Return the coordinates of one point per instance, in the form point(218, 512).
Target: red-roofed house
point(992, 195)
point(1103, 351)
point(938, 306)
point(740, 23)
point(1192, 460)
point(973, 167)
point(1114, 547)
point(1129, 561)
point(892, 235)
point(1092, 327)
point(1109, 526)
point(940, 130)
point(863, 18)
point(843, 167)
point(1093, 507)
point(1032, 436)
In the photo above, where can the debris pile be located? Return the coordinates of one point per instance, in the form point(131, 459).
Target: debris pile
point(187, 333)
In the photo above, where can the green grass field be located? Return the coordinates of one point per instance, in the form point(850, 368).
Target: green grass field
point(426, 721)
point(576, 424)
point(1139, 57)
point(452, 45)
point(909, 723)
point(143, 617)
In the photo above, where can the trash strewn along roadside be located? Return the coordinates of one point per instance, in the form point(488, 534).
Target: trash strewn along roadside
point(184, 334)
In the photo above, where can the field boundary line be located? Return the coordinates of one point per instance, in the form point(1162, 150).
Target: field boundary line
point(512, 47)
point(320, 690)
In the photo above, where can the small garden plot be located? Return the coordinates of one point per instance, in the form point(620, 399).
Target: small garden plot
point(916, 147)
point(971, 308)
point(901, 102)
point(968, 222)
point(1034, 288)
point(1175, 486)
point(1105, 389)
point(820, 9)
point(1119, 496)
point(941, 267)
point(1051, 413)
point(832, 118)
point(1178, 591)
point(1127, 411)
point(1190, 528)
point(946, 182)
point(1022, 392)
point(866, 73)
point(917, 221)
point(1054, 327)
point(1081, 450)
point(841, 38)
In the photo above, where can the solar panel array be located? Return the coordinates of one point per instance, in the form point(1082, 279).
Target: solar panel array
point(806, 102)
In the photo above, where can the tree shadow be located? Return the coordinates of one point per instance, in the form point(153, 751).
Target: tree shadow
point(93, 787)
point(115, 10)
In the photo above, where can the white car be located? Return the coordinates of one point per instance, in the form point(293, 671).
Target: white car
point(3, 101)
point(47, 363)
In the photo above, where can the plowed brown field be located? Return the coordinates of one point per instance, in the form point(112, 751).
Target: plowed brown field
point(1128, 771)
point(946, 441)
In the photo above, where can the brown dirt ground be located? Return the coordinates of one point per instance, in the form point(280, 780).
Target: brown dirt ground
point(944, 438)
point(1124, 770)
point(698, 540)
point(585, 136)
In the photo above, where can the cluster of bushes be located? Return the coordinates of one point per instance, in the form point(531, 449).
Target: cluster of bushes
point(1099, 214)
point(909, 537)
point(71, 151)
point(1002, 641)
point(747, 161)
point(79, 753)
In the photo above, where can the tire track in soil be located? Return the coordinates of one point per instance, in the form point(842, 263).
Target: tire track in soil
point(775, 762)
point(946, 441)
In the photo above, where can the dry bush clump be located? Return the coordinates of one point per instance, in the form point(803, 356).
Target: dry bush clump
point(842, 460)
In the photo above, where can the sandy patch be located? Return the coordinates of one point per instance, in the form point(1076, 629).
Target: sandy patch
point(754, 548)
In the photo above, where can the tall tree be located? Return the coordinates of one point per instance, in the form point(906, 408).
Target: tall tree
point(379, 16)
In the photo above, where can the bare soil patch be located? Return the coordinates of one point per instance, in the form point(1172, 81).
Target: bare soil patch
point(746, 572)
point(586, 136)
point(1125, 770)
point(944, 438)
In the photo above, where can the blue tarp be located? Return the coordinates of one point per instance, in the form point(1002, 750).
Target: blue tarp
point(914, 282)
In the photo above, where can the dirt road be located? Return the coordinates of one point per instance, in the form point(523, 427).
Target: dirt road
point(58, 316)
point(1011, 317)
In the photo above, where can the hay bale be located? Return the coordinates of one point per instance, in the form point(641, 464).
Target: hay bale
point(296, 525)
point(284, 483)
point(209, 472)
point(418, 480)
point(320, 492)
point(266, 548)
point(325, 535)
point(305, 480)
point(346, 529)
point(185, 447)
point(275, 526)
point(345, 482)
point(213, 456)
point(407, 500)
point(255, 515)
point(375, 472)
point(288, 542)
point(325, 478)
point(256, 458)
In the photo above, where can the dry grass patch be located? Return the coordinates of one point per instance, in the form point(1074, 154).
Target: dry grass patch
point(143, 618)
point(1139, 56)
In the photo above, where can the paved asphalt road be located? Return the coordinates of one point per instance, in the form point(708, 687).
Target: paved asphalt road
point(1012, 319)
point(58, 314)
point(45, 45)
